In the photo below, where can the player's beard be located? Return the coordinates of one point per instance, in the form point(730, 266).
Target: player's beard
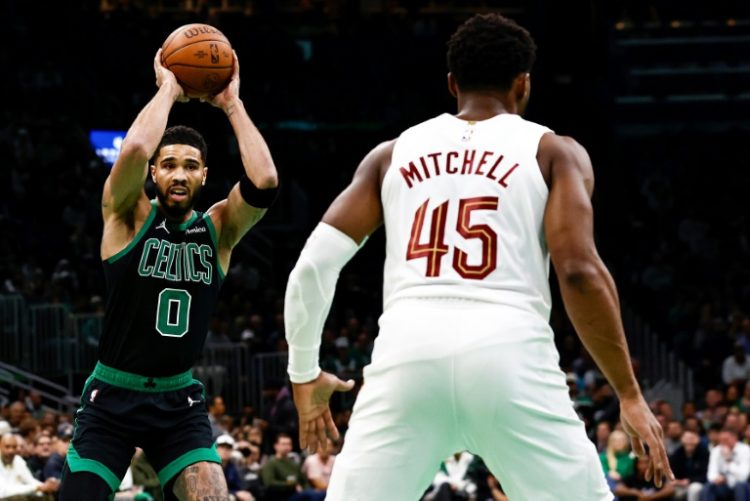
point(177, 211)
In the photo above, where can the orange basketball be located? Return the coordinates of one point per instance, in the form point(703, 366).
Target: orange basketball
point(200, 56)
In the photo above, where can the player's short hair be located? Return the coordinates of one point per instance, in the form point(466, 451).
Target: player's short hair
point(182, 134)
point(488, 52)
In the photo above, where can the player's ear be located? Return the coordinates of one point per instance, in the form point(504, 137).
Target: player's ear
point(452, 85)
point(522, 87)
point(522, 91)
point(205, 175)
point(153, 172)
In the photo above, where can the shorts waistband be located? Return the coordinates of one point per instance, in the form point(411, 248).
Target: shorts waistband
point(136, 382)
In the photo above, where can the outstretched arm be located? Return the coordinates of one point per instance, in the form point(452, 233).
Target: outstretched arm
point(235, 215)
point(349, 220)
point(589, 292)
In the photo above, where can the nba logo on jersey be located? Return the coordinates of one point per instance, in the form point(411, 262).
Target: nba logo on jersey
point(93, 395)
point(466, 137)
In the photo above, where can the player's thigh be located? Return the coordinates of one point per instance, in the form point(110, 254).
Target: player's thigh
point(99, 446)
point(202, 480)
point(179, 434)
point(519, 418)
point(402, 427)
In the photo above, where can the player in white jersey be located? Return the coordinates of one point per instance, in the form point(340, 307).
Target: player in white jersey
point(473, 205)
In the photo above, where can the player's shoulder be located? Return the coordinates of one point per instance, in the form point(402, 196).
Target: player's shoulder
point(384, 149)
point(563, 155)
point(441, 120)
point(552, 145)
point(377, 161)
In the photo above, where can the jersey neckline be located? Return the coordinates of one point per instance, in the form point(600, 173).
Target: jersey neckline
point(477, 122)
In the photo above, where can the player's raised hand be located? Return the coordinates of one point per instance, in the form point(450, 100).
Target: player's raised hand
point(643, 428)
point(226, 97)
point(315, 421)
point(164, 76)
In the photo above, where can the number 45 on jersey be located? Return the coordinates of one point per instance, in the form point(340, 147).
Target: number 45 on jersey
point(435, 248)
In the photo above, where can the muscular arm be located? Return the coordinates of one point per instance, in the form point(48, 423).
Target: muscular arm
point(589, 292)
point(125, 205)
point(349, 220)
point(357, 210)
point(234, 216)
point(354, 214)
point(124, 186)
point(586, 286)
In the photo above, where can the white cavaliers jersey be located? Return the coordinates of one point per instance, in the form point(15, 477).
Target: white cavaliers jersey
point(463, 204)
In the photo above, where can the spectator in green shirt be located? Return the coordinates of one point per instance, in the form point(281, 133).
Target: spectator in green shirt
point(617, 461)
point(282, 475)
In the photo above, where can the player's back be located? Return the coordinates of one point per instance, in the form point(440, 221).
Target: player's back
point(463, 206)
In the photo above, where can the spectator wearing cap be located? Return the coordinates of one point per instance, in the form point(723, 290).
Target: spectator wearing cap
point(54, 466)
point(225, 447)
point(15, 476)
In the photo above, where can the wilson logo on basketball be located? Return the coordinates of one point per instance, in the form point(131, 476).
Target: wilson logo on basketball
point(198, 30)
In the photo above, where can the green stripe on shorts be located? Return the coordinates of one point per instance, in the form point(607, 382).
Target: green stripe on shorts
point(76, 463)
point(195, 456)
point(135, 382)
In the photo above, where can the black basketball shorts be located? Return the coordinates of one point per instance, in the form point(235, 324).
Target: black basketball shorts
point(166, 417)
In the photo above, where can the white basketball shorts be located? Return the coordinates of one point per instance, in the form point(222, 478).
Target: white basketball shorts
point(452, 375)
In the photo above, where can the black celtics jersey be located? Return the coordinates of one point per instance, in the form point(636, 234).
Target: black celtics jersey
point(161, 290)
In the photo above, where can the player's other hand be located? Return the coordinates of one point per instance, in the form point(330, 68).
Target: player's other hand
point(315, 420)
point(231, 92)
point(644, 430)
point(166, 77)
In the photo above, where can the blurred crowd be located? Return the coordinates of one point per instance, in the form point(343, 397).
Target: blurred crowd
point(707, 441)
point(676, 200)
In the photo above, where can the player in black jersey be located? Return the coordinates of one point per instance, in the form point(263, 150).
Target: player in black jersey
point(164, 264)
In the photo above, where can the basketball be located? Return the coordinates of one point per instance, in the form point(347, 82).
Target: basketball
point(200, 56)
